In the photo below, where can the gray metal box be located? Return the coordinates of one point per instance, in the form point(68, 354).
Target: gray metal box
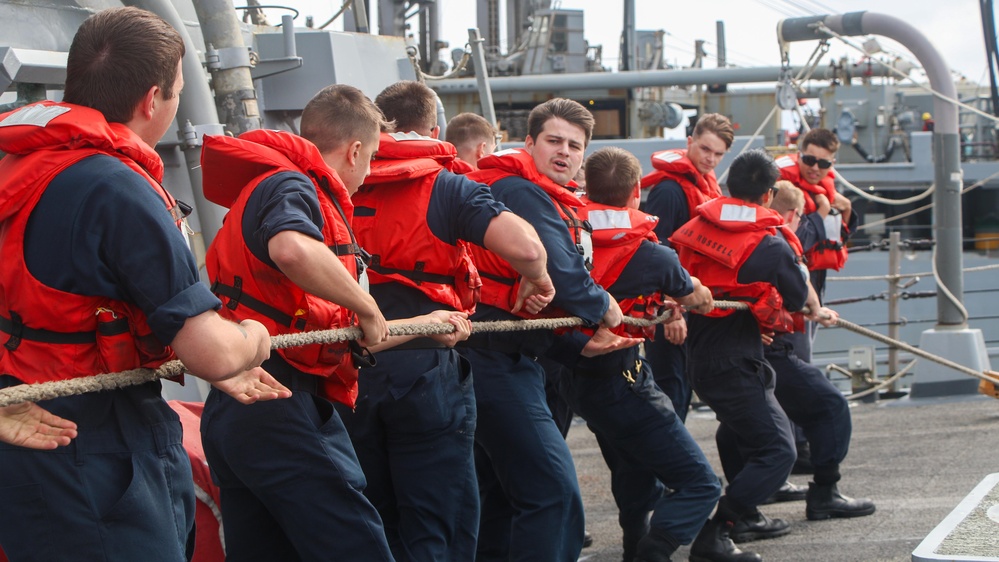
point(369, 62)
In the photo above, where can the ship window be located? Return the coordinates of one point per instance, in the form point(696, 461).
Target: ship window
point(560, 42)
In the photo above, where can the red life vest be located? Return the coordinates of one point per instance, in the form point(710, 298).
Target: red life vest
point(617, 234)
point(207, 514)
point(714, 246)
point(500, 282)
point(390, 222)
point(56, 335)
point(249, 288)
point(825, 254)
point(674, 165)
point(459, 166)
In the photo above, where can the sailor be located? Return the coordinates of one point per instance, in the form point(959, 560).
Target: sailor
point(681, 180)
point(638, 432)
point(413, 425)
point(812, 403)
point(734, 248)
point(531, 506)
point(828, 219)
point(98, 278)
point(286, 255)
point(827, 223)
point(474, 137)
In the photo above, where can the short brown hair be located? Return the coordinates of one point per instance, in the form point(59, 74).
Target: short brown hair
point(788, 197)
point(341, 114)
point(469, 128)
point(823, 138)
point(412, 105)
point(717, 124)
point(611, 176)
point(568, 110)
point(116, 56)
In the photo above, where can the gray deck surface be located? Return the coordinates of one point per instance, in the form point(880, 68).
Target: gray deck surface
point(917, 462)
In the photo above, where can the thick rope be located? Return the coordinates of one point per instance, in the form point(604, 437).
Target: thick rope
point(883, 384)
point(109, 381)
point(990, 376)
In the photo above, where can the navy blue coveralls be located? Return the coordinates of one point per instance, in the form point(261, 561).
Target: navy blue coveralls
point(667, 201)
point(729, 372)
point(645, 445)
point(413, 425)
point(291, 485)
point(531, 505)
point(122, 490)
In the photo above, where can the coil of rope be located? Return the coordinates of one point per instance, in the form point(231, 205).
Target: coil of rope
point(109, 381)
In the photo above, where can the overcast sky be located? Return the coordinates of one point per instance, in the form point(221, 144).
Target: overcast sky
point(953, 26)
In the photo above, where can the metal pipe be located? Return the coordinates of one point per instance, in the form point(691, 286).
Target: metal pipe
point(482, 76)
point(632, 79)
point(720, 38)
point(197, 106)
point(628, 47)
point(235, 98)
point(894, 269)
point(361, 16)
point(946, 143)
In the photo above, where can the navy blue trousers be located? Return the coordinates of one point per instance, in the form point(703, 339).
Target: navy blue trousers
point(122, 490)
point(413, 429)
point(646, 447)
point(291, 486)
point(531, 506)
point(814, 404)
point(740, 390)
point(669, 367)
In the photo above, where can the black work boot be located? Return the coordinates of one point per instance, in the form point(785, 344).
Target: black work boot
point(787, 493)
point(713, 544)
point(755, 526)
point(825, 502)
point(657, 546)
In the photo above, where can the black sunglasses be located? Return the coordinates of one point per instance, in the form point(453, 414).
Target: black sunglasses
point(810, 160)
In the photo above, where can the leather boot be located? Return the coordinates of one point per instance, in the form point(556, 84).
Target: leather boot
point(713, 544)
point(825, 502)
point(787, 493)
point(756, 526)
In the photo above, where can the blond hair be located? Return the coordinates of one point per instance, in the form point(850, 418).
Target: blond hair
point(788, 198)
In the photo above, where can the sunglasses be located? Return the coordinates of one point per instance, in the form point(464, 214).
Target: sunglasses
point(809, 160)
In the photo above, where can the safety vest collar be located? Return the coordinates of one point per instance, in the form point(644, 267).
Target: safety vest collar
point(618, 226)
point(518, 162)
point(230, 164)
point(789, 170)
point(736, 215)
point(405, 146)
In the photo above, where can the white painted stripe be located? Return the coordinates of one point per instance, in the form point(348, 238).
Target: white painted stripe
point(738, 213)
point(607, 219)
point(37, 115)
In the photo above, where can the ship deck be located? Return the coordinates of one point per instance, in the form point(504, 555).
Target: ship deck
point(917, 460)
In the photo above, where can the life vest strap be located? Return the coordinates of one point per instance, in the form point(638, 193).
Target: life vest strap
point(498, 278)
point(237, 297)
point(18, 331)
point(417, 275)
